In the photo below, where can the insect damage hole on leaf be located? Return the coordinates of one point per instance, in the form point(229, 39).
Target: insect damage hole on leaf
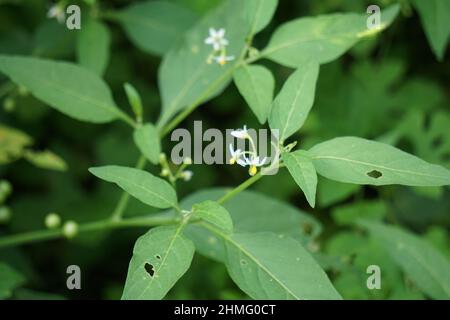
point(149, 268)
point(374, 174)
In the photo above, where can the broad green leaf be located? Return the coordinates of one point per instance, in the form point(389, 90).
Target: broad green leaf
point(266, 215)
point(185, 77)
point(302, 169)
point(292, 105)
point(154, 26)
point(361, 161)
point(147, 139)
point(330, 192)
point(142, 185)
point(64, 86)
point(214, 213)
point(256, 85)
point(426, 266)
point(93, 46)
point(12, 143)
point(322, 38)
point(266, 266)
point(160, 258)
point(350, 213)
point(435, 17)
point(46, 160)
point(260, 13)
point(10, 279)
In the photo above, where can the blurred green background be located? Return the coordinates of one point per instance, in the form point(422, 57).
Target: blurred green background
point(390, 88)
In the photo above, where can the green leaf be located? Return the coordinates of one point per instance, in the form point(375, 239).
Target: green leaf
point(256, 85)
point(330, 192)
point(361, 161)
point(185, 77)
point(426, 266)
point(260, 13)
point(64, 86)
point(323, 38)
point(214, 213)
point(435, 17)
point(350, 213)
point(134, 99)
point(160, 258)
point(93, 46)
point(12, 143)
point(142, 185)
point(302, 169)
point(10, 279)
point(154, 26)
point(146, 138)
point(46, 160)
point(266, 215)
point(266, 266)
point(292, 105)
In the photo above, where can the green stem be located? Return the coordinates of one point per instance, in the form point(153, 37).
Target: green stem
point(42, 235)
point(244, 185)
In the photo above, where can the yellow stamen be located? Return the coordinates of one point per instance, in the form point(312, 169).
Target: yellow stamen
point(252, 171)
point(233, 160)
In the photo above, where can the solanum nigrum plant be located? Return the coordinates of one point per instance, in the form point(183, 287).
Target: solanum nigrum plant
point(265, 250)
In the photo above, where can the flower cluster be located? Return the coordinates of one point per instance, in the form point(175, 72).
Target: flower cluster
point(240, 157)
point(217, 40)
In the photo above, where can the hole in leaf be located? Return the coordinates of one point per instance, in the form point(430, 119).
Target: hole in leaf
point(158, 257)
point(307, 228)
point(374, 174)
point(243, 262)
point(149, 268)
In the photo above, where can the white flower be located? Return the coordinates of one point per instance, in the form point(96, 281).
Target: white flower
point(235, 154)
point(255, 162)
point(240, 133)
point(187, 175)
point(223, 59)
point(217, 39)
point(56, 11)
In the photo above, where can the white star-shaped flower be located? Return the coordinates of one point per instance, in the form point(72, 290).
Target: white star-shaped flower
point(240, 133)
point(217, 39)
point(235, 154)
point(254, 163)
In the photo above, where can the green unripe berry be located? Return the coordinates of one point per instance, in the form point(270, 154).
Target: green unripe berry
point(9, 104)
point(70, 229)
point(52, 220)
point(5, 214)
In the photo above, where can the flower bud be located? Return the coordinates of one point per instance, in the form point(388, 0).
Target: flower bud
point(187, 161)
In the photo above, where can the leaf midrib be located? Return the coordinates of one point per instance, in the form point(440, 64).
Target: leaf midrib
point(253, 258)
point(376, 166)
